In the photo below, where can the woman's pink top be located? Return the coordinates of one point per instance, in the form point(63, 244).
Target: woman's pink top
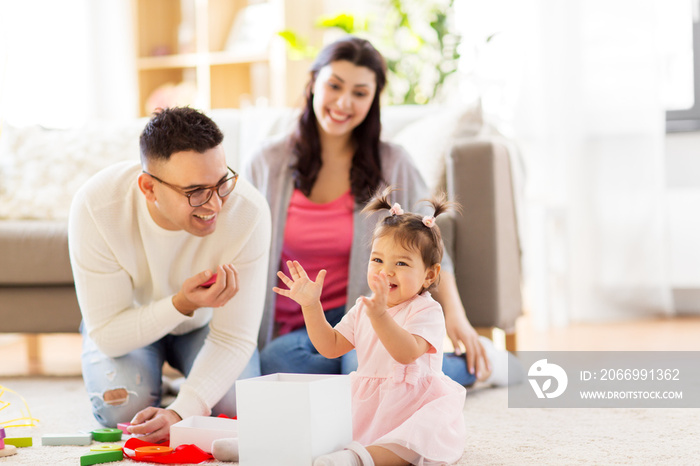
point(318, 236)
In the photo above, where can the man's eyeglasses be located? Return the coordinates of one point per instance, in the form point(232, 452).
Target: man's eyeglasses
point(200, 196)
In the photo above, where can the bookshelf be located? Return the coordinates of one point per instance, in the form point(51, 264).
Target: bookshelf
point(220, 53)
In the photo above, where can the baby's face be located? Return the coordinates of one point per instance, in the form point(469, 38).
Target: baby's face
point(404, 268)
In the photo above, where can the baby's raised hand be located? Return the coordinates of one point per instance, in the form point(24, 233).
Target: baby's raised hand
point(302, 289)
point(377, 304)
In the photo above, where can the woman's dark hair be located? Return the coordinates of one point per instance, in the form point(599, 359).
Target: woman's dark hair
point(365, 173)
point(412, 231)
point(177, 129)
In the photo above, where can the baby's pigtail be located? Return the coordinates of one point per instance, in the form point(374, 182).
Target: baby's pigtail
point(440, 206)
point(380, 201)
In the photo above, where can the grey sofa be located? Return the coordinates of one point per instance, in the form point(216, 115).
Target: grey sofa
point(36, 284)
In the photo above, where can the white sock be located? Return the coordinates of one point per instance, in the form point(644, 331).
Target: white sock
point(225, 449)
point(353, 455)
point(361, 451)
point(500, 361)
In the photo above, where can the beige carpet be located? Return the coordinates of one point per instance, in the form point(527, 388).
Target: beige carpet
point(496, 434)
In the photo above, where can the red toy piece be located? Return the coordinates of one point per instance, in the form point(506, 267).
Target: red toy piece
point(183, 454)
point(209, 282)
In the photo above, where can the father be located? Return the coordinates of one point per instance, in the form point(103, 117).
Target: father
point(143, 240)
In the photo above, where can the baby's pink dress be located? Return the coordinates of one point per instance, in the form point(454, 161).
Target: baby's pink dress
point(413, 410)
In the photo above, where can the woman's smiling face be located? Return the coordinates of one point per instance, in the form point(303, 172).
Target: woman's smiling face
point(343, 94)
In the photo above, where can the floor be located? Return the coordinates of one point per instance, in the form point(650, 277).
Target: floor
point(60, 354)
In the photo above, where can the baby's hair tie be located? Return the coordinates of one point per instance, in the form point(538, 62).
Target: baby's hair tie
point(429, 221)
point(396, 209)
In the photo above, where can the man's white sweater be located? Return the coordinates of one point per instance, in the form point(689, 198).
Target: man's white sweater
point(127, 270)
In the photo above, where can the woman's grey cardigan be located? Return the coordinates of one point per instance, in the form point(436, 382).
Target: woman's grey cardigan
point(269, 171)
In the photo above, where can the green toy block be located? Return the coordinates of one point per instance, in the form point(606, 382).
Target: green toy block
point(99, 457)
point(107, 435)
point(19, 441)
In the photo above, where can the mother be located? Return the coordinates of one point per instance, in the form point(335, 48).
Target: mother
point(317, 180)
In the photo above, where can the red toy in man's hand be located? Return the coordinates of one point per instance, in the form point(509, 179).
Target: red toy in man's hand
point(209, 282)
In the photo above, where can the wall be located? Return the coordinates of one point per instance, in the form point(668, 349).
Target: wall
point(683, 200)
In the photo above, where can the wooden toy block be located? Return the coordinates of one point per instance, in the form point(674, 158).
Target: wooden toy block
point(67, 439)
point(9, 450)
point(98, 457)
point(107, 435)
point(2, 438)
point(18, 441)
point(106, 447)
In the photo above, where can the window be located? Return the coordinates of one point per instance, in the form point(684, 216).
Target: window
point(43, 62)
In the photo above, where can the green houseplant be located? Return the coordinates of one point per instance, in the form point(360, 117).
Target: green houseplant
point(416, 37)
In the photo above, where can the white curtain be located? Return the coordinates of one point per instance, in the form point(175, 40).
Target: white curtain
point(65, 63)
point(43, 62)
point(577, 84)
point(112, 80)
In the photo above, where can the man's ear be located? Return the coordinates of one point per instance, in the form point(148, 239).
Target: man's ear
point(146, 184)
point(431, 275)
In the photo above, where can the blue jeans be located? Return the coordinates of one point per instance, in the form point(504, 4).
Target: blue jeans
point(140, 374)
point(455, 367)
point(294, 353)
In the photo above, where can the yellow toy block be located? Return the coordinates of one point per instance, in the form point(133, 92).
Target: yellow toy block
point(106, 447)
point(18, 441)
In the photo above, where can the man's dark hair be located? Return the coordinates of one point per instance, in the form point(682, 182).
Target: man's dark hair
point(177, 129)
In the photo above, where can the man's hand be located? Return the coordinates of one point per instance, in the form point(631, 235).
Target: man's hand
point(193, 295)
point(302, 289)
point(153, 424)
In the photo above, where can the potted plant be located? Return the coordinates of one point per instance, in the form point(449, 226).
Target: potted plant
point(417, 39)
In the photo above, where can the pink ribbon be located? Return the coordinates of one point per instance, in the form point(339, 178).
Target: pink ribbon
point(396, 209)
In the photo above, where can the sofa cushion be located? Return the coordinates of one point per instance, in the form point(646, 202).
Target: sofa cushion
point(34, 252)
point(39, 309)
point(430, 135)
point(41, 169)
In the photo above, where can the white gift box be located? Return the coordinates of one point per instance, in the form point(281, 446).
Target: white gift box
point(202, 431)
point(290, 419)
